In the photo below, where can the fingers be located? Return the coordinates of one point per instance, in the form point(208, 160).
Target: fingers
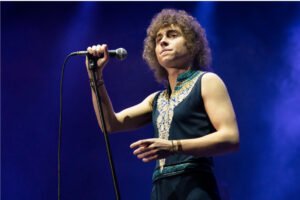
point(139, 143)
point(147, 154)
point(151, 158)
point(98, 50)
point(151, 149)
point(143, 149)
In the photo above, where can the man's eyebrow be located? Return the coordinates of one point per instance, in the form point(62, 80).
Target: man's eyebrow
point(168, 31)
point(173, 30)
point(158, 34)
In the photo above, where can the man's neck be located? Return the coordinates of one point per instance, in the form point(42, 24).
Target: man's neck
point(173, 73)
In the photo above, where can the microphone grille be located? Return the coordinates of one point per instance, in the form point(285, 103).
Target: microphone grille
point(121, 53)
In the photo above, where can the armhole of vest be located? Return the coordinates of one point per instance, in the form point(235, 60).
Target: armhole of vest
point(200, 90)
point(200, 84)
point(154, 103)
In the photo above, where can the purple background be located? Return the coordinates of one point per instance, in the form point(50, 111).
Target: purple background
point(256, 50)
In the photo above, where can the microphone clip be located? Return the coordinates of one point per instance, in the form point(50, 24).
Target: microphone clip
point(92, 62)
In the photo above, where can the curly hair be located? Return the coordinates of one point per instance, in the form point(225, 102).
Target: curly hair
point(194, 34)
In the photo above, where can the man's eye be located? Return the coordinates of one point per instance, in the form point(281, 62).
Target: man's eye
point(173, 34)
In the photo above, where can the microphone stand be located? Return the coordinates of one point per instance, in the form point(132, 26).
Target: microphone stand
point(92, 65)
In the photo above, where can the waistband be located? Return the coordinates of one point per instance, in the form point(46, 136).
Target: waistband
point(180, 168)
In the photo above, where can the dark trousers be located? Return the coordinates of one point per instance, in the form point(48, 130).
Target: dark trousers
point(191, 186)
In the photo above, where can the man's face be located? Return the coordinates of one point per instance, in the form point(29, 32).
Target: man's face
point(171, 50)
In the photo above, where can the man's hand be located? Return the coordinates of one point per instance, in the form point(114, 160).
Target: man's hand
point(152, 149)
point(97, 50)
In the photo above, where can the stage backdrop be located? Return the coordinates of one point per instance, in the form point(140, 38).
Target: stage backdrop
point(255, 48)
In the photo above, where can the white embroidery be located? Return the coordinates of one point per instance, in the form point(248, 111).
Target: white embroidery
point(166, 106)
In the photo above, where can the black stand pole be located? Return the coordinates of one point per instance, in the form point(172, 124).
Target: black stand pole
point(93, 67)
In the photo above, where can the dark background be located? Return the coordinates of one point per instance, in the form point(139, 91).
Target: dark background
point(256, 51)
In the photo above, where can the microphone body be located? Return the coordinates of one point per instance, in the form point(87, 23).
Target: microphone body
point(119, 53)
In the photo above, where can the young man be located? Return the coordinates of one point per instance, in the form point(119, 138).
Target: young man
point(193, 117)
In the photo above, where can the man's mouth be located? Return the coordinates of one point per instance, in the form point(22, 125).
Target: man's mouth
point(165, 50)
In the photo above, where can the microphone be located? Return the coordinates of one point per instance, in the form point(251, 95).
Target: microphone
point(119, 53)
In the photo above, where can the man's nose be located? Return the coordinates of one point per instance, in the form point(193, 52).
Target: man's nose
point(164, 41)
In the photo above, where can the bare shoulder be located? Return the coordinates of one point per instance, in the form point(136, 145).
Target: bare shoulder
point(211, 78)
point(150, 98)
point(212, 83)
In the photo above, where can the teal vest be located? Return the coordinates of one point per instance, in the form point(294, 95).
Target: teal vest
point(181, 115)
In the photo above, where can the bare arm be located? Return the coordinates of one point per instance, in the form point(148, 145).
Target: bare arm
point(128, 119)
point(220, 111)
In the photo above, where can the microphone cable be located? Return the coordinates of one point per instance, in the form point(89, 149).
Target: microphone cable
point(60, 127)
point(117, 193)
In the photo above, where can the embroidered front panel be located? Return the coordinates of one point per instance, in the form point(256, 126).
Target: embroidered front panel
point(166, 104)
